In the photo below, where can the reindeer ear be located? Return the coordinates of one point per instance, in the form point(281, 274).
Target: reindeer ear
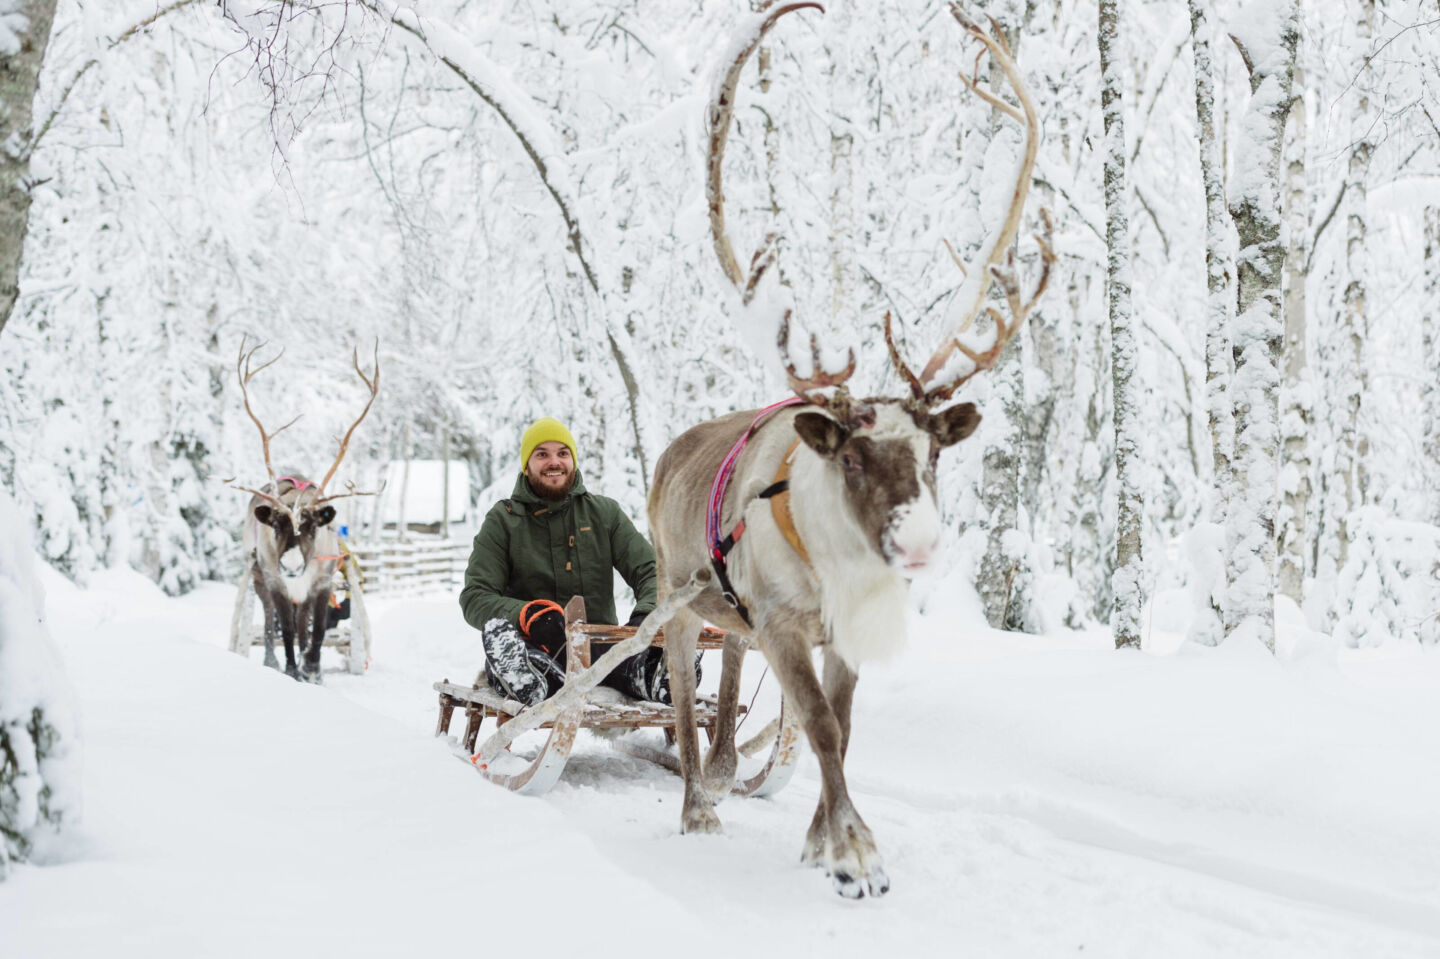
point(263, 514)
point(820, 432)
point(324, 515)
point(949, 427)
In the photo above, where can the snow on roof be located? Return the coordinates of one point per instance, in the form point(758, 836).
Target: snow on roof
point(425, 491)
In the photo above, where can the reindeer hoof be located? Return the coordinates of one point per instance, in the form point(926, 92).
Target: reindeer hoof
point(879, 882)
point(703, 821)
point(293, 672)
point(876, 884)
point(312, 676)
point(272, 662)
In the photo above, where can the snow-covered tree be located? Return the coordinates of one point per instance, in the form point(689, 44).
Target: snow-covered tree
point(1430, 359)
point(1265, 34)
point(24, 36)
point(1349, 378)
point(401, 203)
point(39, 759)
point(1003, 575)
point(1207, 545)
point(1430, 396)
point(1296, 394)
point(1129, 575)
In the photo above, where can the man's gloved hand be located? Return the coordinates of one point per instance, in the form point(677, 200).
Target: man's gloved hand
point(543, 623)
point(636, 618)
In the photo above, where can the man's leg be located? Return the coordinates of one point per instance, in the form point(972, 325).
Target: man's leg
point(645, 676)
point(523, 673)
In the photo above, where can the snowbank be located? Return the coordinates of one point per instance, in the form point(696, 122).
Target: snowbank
point(1033, 796)
point(39, 761)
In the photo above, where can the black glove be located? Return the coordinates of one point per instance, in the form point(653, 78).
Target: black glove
point(544, 625)
point(637, 617)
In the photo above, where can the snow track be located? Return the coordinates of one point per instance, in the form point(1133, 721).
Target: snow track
point(233, 812)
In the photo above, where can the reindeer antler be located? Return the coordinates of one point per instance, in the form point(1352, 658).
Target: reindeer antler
point(996, 257)
point(245, 374)
point(839, 404)
point(722, 111)
point(374, 384)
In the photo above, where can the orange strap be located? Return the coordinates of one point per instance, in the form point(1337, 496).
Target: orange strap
point(533, 610)
point(780, 507)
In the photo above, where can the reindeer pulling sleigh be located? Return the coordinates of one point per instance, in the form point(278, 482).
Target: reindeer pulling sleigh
point(293, 553)
point(831, 509)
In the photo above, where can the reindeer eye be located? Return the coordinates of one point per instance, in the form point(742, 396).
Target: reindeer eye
point(850, 461)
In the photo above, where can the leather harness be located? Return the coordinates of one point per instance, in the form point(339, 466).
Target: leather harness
point(778, 493)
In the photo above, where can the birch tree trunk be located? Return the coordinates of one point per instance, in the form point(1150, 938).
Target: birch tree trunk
point(24, 35)
point(1296, 396)
point(842, 174)
point(1006, 546)
point(1000, 496)
point(1208, 626)
point(1268, 49)
point(1430, 333)
point(1350, 453)
point(1128, 578)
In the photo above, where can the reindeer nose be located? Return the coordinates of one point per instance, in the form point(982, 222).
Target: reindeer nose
point(916, 559)
point(913, 537)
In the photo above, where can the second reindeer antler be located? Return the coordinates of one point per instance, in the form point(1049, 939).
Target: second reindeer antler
point(996, 256)
point(722, 111)
point(373, 382)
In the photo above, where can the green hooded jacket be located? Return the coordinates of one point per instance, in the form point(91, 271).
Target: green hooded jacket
point(533, 548)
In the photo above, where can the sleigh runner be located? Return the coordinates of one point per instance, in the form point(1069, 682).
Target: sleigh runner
point(569, 711)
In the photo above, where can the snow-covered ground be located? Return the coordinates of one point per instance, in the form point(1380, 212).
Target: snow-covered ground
point(1033, 796)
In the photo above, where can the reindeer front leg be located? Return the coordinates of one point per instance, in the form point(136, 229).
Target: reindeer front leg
point(839, 685)
point(272, 617)
point(316, 615)
point(311, 628)
point(840, 841)
point(289, 613)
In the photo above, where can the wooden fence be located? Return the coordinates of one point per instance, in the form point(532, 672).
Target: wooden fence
point(391, 567)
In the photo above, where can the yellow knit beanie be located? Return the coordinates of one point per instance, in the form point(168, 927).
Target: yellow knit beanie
point(544, 430)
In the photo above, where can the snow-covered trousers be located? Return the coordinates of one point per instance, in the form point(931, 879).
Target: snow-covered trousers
point(511, 661)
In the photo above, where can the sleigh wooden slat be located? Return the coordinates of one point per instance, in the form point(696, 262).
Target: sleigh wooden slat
point(595, 715)
point(479, 702)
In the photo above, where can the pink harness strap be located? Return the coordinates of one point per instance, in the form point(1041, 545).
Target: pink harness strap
point(718, 547)
point(727, 467)
point(294, 481)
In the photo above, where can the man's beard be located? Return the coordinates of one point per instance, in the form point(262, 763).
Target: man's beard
point(545, 492)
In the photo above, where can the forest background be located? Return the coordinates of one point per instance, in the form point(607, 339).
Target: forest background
point(510, 199)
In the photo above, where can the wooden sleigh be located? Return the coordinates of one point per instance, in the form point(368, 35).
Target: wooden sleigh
point(350, 638)
point(569, 711)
